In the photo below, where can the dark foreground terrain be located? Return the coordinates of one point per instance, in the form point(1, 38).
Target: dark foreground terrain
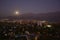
point(31, 31)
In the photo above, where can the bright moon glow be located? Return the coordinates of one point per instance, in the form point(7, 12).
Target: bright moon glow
point(17, 13)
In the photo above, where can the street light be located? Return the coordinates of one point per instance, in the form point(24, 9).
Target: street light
point(49, 26)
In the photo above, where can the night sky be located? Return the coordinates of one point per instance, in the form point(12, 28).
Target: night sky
point(8, 7)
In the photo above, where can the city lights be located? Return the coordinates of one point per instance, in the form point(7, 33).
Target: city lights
point(48, 25)
point(43, 21)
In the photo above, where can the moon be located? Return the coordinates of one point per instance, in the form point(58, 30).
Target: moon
point(17, 13)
